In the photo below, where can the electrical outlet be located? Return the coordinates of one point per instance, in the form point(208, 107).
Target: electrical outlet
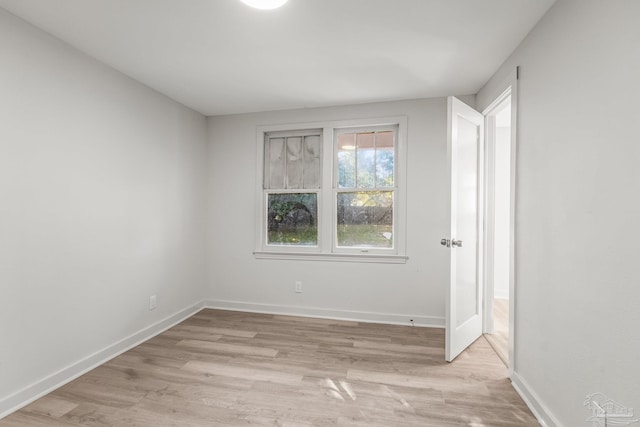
point(298, 286)
point(152, 302)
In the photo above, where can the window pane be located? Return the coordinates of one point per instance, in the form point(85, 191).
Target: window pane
point(292, 219)
point(294, 162)
point(274, 164)
point(312, 161)
point(346, 169)
point(384, 139)
point(346, 141)
point(366, 140)
point(384, 167)
point(365, 219)
point(366, 160)
point(346, 160)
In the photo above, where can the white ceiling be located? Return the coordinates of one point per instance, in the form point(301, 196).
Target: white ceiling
point(222, 57)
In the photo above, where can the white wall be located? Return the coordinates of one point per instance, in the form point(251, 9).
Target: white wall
point(102, 188)
point(374, 292)
point(578, 205)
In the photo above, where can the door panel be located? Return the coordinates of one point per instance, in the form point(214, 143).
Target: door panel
point(465, 145)
point(467, 202)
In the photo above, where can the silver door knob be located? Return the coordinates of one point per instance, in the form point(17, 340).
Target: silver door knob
point(445, 242)
point(457, 243)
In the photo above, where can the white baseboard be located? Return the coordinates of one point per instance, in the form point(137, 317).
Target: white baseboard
point(539, 409)
point(323, 313)
point(46, 385)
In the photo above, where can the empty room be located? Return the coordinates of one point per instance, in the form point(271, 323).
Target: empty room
point(319, 213)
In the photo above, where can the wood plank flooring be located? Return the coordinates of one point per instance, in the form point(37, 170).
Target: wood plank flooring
point(222, 368)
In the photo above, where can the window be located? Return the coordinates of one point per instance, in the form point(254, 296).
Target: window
point(291, 181)
point(365, 187)
point(332, 191)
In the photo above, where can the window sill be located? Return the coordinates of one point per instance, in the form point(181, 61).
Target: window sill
point(380, 259)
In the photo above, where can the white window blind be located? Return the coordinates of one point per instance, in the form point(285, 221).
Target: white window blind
point(292, 161)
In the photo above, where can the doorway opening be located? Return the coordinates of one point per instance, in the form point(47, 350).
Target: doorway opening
point(498, 300)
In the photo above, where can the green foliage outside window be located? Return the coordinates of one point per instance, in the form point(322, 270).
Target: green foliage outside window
point(292, 219)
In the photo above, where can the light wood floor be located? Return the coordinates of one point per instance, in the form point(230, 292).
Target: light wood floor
point(499, 340)
point(222, 368)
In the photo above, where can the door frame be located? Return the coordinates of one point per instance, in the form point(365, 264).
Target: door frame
point(512, 92)
point(490, 199)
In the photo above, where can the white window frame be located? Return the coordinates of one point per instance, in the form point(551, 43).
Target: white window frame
point(327, 249)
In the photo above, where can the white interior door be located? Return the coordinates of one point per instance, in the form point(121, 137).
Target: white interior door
point(465, 146)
